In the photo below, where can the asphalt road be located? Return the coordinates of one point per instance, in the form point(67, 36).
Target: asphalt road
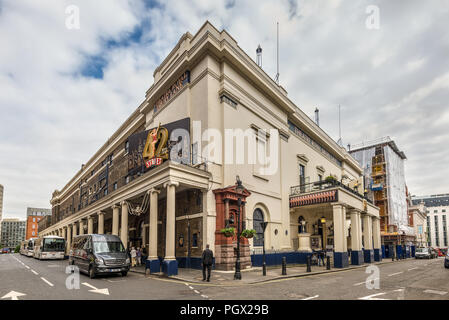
point(407, 279)
point(47, 280)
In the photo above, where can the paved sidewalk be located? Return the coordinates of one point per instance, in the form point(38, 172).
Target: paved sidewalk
point(252, 275)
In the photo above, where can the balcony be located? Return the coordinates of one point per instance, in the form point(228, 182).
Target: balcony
point(317, 192)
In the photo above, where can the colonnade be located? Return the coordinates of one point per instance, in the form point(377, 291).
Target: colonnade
point(120, 214)
point(365, 245)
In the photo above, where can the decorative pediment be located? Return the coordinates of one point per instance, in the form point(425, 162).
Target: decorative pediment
point(302, 158)
point(320, 169)
point(231, 193)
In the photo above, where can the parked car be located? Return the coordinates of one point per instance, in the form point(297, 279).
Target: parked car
point(446, 260)
point(6, 250)
point(425, 253)
point(97, 254)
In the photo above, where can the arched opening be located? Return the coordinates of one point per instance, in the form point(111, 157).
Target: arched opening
point(257, 225)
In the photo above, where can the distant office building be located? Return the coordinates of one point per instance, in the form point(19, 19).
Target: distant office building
point(34, 215)
point(437, 214)
point(1, 207)
point(13, 232)
point(418, 220)
point(383, 166)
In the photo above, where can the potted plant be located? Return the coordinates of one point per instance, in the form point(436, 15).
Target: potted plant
point(248, 233)
point(228, 232)
point(331, 179)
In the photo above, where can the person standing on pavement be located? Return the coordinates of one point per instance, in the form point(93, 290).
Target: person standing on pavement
point(139, 256)
point(133, 257)
point(206, 260)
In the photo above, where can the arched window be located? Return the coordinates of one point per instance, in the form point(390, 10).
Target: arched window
point(257, 225)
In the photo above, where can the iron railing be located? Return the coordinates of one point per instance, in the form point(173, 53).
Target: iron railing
point(324, 185)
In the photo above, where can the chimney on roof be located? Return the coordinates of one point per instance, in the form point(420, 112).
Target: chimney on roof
point(259, 56)
point(317, 117)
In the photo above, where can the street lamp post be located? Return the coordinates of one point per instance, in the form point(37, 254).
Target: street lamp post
point(264, 265)
point(239, 188)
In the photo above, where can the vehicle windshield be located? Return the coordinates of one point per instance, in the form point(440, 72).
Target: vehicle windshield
point(52, 244)
point(108, 247)
point(422, 250)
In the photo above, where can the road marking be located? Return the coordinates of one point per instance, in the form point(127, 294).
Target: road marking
point(412, 268)
point(310, 298)
point(27, 267)
point(34, 272)
point(196, 291)
point(393, 274)
point(371, 297)
point(360, 283)
point(95, 290)
point(13, 295)
point(191, 287)
point(442, 293)
point(48, 282)
point(204, 296)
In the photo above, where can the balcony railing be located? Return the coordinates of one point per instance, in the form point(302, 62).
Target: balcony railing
point(323, 185)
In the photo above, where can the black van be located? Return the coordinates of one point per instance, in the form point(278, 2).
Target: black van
point(99, 254)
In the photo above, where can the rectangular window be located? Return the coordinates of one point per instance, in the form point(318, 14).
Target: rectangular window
point(115, 186)
point(126, 179)
point(195, 240)
point(126, 146)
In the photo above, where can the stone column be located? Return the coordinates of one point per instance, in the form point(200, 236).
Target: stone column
point(64, 233)
point(73, 230)
point(368, 239)
point(69, 238)
point(124, 224)
point(90, 225)
point(115, 217)
point(155, 265)
point(376, 239)
point(170, 266)
point(340, 254)
point(100, 222)
point(356, 238)
point(81, 231)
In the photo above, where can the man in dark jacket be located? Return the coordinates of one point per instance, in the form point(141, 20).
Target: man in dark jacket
point(207, 260)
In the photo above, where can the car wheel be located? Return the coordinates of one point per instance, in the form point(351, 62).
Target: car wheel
point(124, 273)
point(91, 273)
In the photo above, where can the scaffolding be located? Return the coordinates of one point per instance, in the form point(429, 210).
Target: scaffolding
point(383, 170)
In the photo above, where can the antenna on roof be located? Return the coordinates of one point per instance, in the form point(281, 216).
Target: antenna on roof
point(277, 57)
point(339, 142)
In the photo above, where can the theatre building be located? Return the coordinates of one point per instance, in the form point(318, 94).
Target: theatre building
point(166, 180)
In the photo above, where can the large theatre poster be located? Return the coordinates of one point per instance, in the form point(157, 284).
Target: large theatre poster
point(177, 145)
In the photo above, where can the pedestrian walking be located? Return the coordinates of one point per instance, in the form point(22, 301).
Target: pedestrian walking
point(133, 256)
point(139, 256)
point(206, 260)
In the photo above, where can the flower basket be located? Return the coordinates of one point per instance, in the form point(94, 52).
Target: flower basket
point(248, 233)
point(228, 232)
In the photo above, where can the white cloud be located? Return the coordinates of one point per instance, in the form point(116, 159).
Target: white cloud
point(391, 81)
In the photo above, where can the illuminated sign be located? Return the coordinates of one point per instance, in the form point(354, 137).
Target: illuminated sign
point(182, 81)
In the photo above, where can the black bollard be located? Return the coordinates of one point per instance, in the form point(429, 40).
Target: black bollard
point(392, 257)
point(284, 266)
point(328, 263)
point(264, 269)
point(309, 269)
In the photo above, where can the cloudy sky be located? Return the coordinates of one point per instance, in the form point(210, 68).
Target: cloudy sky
point(64, 91)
